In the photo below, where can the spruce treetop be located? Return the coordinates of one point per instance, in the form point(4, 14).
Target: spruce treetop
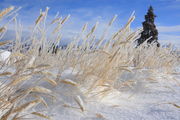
point(149, 32)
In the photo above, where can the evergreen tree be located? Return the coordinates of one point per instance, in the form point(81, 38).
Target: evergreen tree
point(149, 33)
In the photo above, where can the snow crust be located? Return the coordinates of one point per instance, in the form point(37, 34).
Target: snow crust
point(145, 100)
point(155, 99)
point(4, 55)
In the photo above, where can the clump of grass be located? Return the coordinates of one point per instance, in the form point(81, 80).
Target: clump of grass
point(98, 65)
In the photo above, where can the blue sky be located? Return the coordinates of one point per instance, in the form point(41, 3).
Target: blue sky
point(82, 11)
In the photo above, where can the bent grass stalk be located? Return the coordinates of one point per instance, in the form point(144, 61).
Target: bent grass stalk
point(98, 65)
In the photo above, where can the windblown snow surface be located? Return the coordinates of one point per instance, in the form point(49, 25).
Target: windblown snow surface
point(156, 99)
point(4, 55)
point(155, 95)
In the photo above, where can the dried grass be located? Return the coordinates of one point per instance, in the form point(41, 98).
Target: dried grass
point(80, 102)
point(41, 115)
point(94, 65)
point(6, 11)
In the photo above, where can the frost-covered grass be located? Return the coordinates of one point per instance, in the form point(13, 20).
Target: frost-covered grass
point(39, 84)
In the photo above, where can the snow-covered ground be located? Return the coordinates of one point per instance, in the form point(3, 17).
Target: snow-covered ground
point(154, 95)
point(155, 99)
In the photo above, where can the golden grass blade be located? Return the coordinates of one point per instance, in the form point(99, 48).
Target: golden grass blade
point(112, 20)
point(58, 27)
point(40, 18)
point(2, 29)
point(125, 69)
point(92, 30)
point(41, 115)
point(65, 19)
point(175, 105)
point(84, 27)
point(42, 100)
point(5, 73)
point(19, 80)
point(26, 106)
point(56, 20)
point(40, 90)
point(70, 82)
point(4, 43)
point(80, 102)
point(52, 82)
point(43, 66)
point(6, 11)
point(48, 73)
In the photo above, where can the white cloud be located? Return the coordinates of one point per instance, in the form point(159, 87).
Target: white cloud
point(169, 34)
point(169, 28)
point(170, 38)
point(166, 39)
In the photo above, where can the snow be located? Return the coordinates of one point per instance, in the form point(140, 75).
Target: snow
point(4, 55)
point(145, 100)
point(153, 99)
